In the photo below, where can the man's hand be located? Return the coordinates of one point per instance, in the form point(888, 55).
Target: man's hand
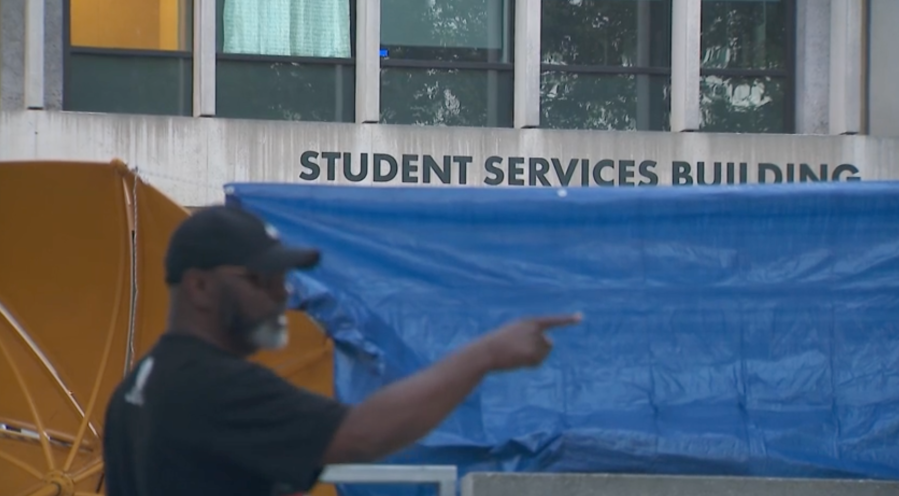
point(523, 343)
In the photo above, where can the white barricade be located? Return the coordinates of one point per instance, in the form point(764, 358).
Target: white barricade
point(443, 476)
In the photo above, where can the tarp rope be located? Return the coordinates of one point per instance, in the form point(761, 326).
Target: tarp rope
point(129, 359)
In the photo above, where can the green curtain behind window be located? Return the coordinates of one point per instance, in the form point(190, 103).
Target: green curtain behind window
point(302, 28)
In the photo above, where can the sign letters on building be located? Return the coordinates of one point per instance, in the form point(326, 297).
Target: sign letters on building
point(347, 167)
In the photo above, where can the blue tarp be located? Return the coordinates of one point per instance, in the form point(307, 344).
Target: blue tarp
point(747, 330)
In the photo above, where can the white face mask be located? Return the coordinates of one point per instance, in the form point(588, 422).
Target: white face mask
point(271, 334)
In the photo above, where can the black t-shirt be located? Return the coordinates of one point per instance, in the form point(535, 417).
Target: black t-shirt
point(191, 419)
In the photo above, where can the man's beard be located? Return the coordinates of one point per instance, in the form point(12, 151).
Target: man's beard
point(267, 333)
point(270, 334)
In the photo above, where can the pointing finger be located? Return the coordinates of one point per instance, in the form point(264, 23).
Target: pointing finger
point(552, 321)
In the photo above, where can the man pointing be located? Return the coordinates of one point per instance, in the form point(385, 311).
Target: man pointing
point(195, 417)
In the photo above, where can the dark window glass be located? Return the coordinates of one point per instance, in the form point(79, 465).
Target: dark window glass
point(129, 57)
point(447, 62)
point(747, 66)
point(447, 30)
point(108, 82)
point(744, 34)
point(606, 64)
point(285, 91)
point(610, 33)
point(743, 104)
point(286, 60)
point(446, 97)
point(604, 102)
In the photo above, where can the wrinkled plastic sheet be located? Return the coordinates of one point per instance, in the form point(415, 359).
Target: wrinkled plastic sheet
point(748, 330)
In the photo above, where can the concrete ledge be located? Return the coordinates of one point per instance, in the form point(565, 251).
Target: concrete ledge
point(498, 484)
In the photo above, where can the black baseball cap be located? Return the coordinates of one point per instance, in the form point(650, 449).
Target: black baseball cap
point(227, 235)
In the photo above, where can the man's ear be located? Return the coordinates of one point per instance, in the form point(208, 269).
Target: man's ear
point(200, 288)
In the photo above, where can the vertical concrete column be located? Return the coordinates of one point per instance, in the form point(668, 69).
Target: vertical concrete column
point(12, 54)
point(204, 58)
point(34, 54)
point(54, 42)
point(526, 100)
point(368, 61)
point(883, 71)
point(686, 30)
point(812, 66)
point(846, 66)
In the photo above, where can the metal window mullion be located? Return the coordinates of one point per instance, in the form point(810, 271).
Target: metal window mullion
point(204, 58)
point(368, 61)
point(527, 63)
point(846, 65)
point(686, 30)
point(34, 54)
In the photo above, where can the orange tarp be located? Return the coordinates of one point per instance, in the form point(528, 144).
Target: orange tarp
point(71, 282)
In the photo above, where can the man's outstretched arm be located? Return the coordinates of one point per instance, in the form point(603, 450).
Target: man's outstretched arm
point(407, 410)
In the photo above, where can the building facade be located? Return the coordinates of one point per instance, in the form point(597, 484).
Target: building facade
point(195, 94)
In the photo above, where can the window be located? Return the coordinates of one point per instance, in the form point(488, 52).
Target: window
point(447, 62)
point(606, 64)
point(286, 60)
point(747, 66)
point(129, 56)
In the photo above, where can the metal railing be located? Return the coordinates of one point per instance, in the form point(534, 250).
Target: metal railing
point(443, 476)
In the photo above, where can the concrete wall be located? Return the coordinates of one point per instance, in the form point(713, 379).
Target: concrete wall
point(883, 89)
point(485, 484)
point(190, 159)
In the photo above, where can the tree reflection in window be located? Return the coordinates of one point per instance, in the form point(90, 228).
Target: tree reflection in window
point(605, 64)
point(747, 71)
point(447, 62)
